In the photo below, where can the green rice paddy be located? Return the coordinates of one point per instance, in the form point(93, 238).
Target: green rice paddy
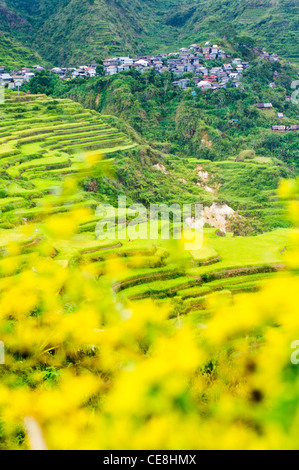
point(43, 141)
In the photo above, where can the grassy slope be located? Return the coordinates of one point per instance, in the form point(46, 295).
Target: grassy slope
point(273, 24)
point(41, 135)
point(31, 170)
point(14, 55)
point(245, 160)
point(76, 27)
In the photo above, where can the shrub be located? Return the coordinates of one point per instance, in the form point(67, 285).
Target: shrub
point(3, 193)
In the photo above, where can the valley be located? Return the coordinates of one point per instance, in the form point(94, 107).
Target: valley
point(149, 227)
point(45, 142)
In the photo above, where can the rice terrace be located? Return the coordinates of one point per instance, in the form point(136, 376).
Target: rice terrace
point(120, 331)
point(39, 150)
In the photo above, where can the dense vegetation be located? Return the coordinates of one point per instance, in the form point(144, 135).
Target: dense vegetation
point(45, 141)
point(180, 131)
point(14, 55)
point(133, 342)
point(76, 31)
point(180, 120)
point(91, 362)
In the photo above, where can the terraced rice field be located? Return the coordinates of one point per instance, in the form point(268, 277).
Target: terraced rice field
point(43, 141)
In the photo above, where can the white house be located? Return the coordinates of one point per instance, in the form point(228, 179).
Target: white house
point(125, 61)
point(141, 63)
point(237, 61)
point(38, 68)
point(204, 85)
point(28, 76)
point(92, 72)
point(111, 70)
point(6, 77)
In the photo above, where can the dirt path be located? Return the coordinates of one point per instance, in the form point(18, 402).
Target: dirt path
point(119, 245)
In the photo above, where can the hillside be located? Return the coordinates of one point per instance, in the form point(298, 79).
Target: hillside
point(223, 132)
point(102, 336)
point(74, 31)
point(44, 146)
point(149, 222)
point(14, 54)
point(271, 23)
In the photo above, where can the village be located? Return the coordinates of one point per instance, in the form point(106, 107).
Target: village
point(187, 61)
point(178, 63)
point(185, 66)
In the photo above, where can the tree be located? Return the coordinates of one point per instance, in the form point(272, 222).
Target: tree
point(167, 80)
point(44, 82)
point(100, 70)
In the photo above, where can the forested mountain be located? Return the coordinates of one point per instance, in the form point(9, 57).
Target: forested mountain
point(71, 31)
